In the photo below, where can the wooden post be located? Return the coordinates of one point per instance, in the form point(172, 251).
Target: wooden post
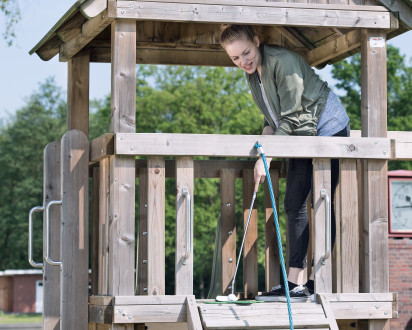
point(51, 274)
point(78, 93)
point(272, 259)
point(95, 230)
point(141, 263)
point(349, 277)
point(374, 124)
point(228, 231)
point(250, 251)
point(104, 212)
point(156, 226)
point(321, 180)
point(184, 267)
point(122, 169)
point(75, 230)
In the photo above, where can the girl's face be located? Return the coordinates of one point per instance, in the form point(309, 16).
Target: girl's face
point(245, 54)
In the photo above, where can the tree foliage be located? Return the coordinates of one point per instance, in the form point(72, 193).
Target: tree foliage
point(11, 12)
point(22, 142)
point(399, 76)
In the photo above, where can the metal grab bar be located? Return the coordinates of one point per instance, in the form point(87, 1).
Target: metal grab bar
point(186, 257)
point(48, 260)
point(31, 261)
point(324, 195)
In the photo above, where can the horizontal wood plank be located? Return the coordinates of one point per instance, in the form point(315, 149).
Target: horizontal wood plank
point(217, 145)
point(149, 313)
point(101, 147)
point(279, 4)
point(252, 14)
point(150, 300)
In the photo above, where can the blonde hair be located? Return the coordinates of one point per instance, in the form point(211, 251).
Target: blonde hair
point(231, 32)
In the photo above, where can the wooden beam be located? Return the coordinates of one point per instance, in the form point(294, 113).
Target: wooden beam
point(184, 195)
point(156, 226)
point(51, 274)
point(92, 8)
point(75, 228)
point(78, 93)
point(228, 230)
point(71, 28)
point(89, 31)
point(349, 226)
point(321, 182)
point(334, 48)
point(258, 13)
point(272, 259)
point(104, 222)
point(193, 318)
point(141, 262)
point(374, 123)
point(101, 147)
point(250, 248)
point(122, 169)
point(123, 88)
point(95, 253)
point(221, 145)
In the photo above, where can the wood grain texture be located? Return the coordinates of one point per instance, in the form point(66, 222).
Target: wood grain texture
point(184, 267)
point(123, 87)
point(250, 249)
point(349, 226)
point(78, 93)
point(222, 145)
point(141, 262)
point(228, 229)
point(121, 225)
point(156, 226)
point(297, 15)
point(272, 259)
point(75, 229)
point(104, 214)
point(374, 123)
point(95, 231)
point(321, 180)
point(51, 274)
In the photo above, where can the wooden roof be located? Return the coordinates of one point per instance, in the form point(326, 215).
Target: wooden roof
point(186, 31)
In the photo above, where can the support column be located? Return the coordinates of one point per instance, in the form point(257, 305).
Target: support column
point(122, 169)
point(250, 249)
point(78, 93)
point(75, 231)
point(374, 124)
point(321, 182)
point(51, 274)
point(183, 263)
point(228, 228)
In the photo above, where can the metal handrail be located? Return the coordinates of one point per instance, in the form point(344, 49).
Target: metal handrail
point(30, 252)
point(48, 260)
point(186, 257)
point(324, 195)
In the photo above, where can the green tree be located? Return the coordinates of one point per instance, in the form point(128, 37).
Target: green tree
point(22, 141)
point(11, 12)
point(399, 76)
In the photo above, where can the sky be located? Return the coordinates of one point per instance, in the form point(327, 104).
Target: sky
point(21, 73)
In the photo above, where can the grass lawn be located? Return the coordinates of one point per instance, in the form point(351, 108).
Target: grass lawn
point(12, 318)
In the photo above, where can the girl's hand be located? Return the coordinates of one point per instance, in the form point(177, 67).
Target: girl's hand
point(259, 172)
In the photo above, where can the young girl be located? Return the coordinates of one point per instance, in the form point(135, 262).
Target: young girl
point(294, 101)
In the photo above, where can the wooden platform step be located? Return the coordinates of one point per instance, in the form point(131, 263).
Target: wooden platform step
point(264, 316)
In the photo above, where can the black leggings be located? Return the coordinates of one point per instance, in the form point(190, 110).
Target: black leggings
point(298, 187)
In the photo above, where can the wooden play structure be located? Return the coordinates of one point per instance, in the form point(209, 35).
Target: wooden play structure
point(128, 287)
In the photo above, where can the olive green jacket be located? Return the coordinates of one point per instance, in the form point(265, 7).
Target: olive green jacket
point(295, 93)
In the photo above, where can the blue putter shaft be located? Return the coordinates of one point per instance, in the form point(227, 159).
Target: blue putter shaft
point(260, 151)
